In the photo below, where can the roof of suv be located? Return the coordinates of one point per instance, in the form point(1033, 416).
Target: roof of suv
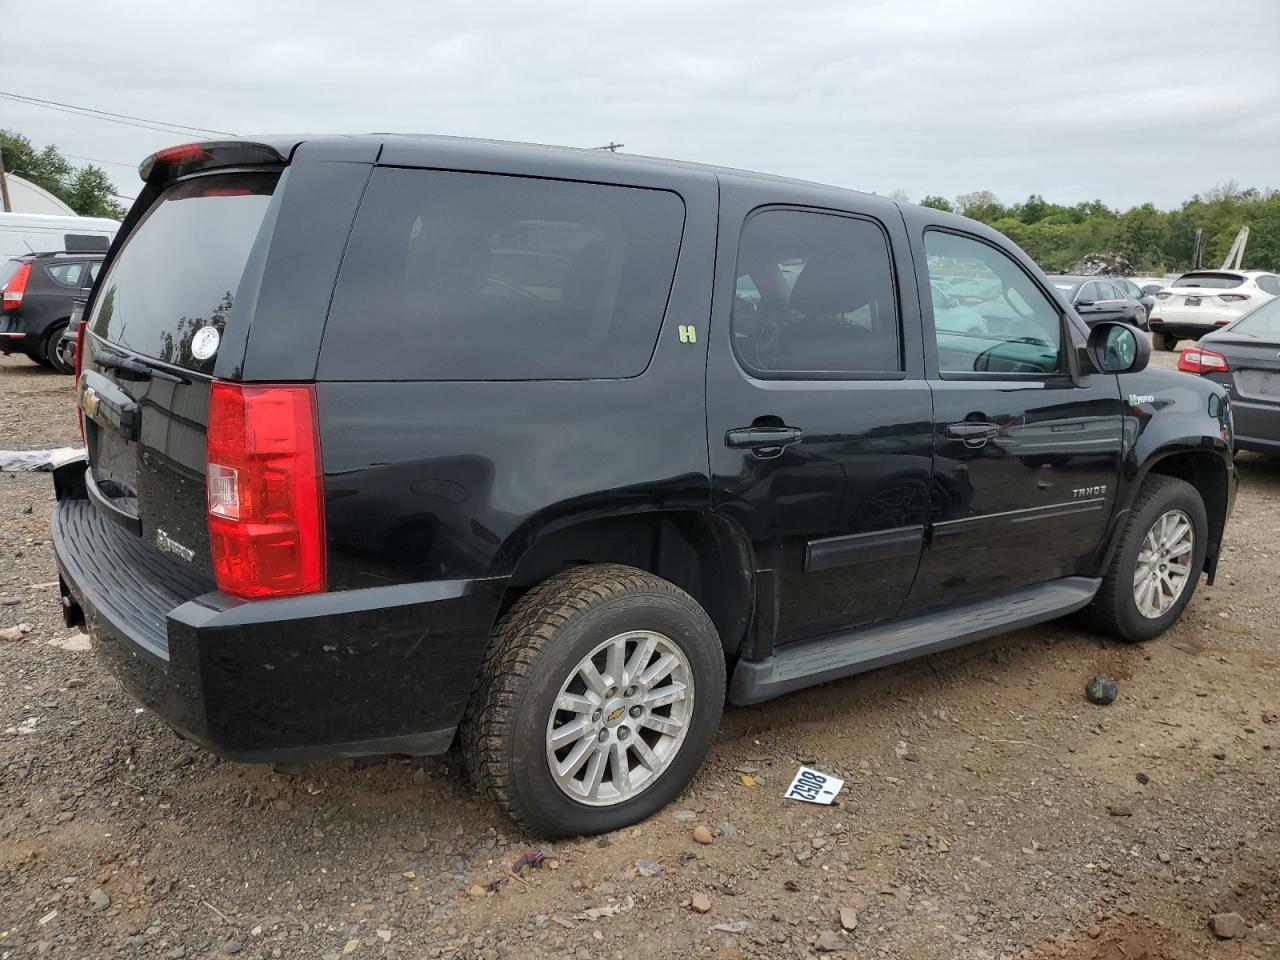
point(427, 149)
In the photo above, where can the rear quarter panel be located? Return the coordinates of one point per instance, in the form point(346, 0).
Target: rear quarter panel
point(455, 480)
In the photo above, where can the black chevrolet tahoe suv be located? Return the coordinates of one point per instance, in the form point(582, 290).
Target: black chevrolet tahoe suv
point(39, 294)
point(397, 441)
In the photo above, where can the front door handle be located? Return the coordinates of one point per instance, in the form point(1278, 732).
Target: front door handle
point(760, 438)
point(972, 430)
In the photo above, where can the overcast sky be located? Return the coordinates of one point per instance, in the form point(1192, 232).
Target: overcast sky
point(1120, 101)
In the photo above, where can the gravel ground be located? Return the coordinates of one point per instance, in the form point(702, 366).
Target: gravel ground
point(990, 811)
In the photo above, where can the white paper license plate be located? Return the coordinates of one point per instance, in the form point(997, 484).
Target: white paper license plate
point(811, 786)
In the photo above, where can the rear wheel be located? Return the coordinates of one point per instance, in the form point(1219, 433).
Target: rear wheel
point(1163, 341)
point(52, 357)
point(1156, 564)
point(601, 692)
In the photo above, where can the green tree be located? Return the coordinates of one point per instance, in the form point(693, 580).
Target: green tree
point(938, 203)
point(980, 205)
point(87, 190)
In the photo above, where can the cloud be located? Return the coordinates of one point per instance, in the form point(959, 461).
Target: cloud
point(1123, 102)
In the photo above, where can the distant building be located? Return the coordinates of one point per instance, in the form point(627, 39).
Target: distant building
point(26, 197)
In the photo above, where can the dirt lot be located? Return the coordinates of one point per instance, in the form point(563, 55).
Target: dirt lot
point(990, 811)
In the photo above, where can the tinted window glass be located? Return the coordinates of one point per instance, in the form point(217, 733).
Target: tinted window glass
point(1269, 284)
point(1107, 291)
point(181, 268)
point(1131, 289)
point(67, 274)
point(7, 270)
point(814, 296)
point(460, 276)
point(93, 270)
point(1215, 280)
point(1014, 330)
point(1263, 322)
point(1089, 293)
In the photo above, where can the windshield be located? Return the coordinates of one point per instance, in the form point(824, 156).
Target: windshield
point(1263, 322)
point(179, 271)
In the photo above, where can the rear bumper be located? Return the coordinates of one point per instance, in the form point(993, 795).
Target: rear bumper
point(14, 336)
point(1182, 329)
point(1257, 425)
point(351, 673)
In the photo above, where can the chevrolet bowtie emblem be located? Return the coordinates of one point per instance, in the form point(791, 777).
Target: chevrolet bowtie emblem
point(89, 402)
point(616, 714)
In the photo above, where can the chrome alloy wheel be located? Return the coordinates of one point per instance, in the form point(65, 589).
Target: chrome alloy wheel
point(620, 718)
point(1164, 564)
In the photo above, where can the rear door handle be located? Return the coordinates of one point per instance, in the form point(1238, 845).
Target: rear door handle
point(759, 438)
point(972, 430)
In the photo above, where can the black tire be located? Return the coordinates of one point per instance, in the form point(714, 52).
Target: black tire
point(1163, 341)
point(51, 356)
point(536, 647)
point(1114, 610)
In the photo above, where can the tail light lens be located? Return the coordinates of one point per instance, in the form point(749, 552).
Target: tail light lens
point(1196, 360)
point(1163, 295)
point(265, 490)
point(15, 288)
point(1232, 297)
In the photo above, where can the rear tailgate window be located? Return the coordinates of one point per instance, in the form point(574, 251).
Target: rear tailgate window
point(465, 276)
point(180, 269)
point(1219, 281)
point(7, 270)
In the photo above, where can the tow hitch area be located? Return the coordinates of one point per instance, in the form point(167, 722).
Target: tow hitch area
point(72, 614)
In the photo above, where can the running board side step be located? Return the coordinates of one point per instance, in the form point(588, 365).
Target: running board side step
point(810, 662)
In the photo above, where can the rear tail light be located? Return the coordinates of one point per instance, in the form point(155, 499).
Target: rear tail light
point(1163, 295)
point(1232, 297)
point(185, 153)
point(1196, 360)
point(265, 490)
point(16, 287)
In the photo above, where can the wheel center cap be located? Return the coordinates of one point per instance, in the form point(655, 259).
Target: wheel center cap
point(614, 711)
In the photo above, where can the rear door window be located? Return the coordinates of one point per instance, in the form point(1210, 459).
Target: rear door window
point(464, 276)
point(814, 297)
point(180, 269)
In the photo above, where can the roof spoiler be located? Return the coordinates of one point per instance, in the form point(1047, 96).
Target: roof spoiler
point(173, 162)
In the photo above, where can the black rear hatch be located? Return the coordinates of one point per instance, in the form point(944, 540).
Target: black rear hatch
point(168, 304)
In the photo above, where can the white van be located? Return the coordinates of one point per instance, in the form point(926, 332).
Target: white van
point(22, 233)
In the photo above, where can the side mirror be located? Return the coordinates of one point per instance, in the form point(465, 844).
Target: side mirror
point(1118, 348)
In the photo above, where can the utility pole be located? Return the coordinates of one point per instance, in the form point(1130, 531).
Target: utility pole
point(4, 187)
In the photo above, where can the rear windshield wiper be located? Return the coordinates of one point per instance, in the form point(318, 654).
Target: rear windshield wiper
point(139, 370)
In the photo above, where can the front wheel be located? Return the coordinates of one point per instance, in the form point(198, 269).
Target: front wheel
point(1156, 563)
point(600, 693)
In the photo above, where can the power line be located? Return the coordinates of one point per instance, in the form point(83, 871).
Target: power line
point(108, 116)
point(117, 163)
point(89, 116)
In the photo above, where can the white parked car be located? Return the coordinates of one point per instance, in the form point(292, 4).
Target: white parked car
point(1203, 300)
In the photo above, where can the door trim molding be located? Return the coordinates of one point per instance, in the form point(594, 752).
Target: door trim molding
point(831, 552)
